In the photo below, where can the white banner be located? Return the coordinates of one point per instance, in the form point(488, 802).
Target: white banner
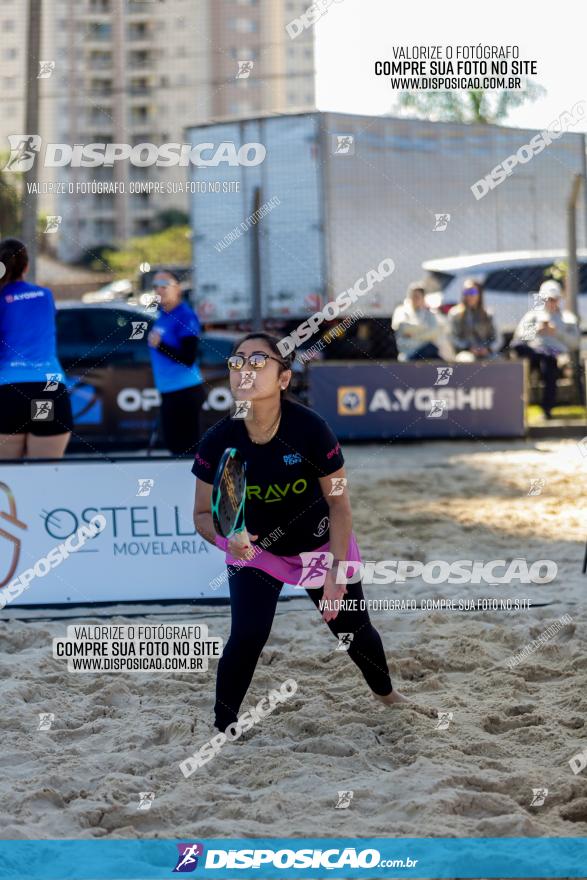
point(144, 547)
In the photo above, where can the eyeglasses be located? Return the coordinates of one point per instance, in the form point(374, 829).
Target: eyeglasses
point(256, 361)
point(163, 283)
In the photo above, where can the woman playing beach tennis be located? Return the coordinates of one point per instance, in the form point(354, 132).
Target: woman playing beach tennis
point(295, 502)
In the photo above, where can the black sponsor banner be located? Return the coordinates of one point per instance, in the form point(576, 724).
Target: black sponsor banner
point(366, 400)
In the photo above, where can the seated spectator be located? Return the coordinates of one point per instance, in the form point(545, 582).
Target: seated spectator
point(417, 330)
point(472, 333)
point(544, 336)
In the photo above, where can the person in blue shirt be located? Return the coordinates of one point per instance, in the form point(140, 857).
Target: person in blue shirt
point(35, 409)
point(173, 341)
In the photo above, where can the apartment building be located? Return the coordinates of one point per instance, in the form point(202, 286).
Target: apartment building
point(141, 71)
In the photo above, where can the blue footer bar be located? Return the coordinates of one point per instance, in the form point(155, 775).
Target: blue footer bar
point(304, 858)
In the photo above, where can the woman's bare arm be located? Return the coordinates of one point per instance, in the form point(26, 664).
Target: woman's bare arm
point(340, 516)
point(203, 511)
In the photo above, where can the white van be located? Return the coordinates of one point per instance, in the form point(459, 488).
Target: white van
point(510, 279)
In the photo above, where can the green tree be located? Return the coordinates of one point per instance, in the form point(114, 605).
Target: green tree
point(10, 201)
point(477, 106)
point(171, 217)
point(173, 245)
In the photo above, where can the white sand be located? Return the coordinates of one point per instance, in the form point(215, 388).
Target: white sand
point(513, 730)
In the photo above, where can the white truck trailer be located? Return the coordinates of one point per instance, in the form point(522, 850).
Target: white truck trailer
point(340, 193)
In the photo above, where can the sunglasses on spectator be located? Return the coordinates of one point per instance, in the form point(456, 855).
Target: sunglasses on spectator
point(256, 360)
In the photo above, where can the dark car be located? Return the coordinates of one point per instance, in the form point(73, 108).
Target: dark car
point(104, 353)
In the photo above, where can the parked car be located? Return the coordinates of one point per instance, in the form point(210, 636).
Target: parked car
point(510, 279)
point(103, 350)
point(115, 290)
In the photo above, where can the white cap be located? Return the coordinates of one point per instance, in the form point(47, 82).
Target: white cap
point(550, 290)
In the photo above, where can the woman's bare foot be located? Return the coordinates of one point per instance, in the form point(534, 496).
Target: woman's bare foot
point(394, 698)
point(397, 699)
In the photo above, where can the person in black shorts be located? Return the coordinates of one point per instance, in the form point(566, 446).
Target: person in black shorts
point(294, 464)
point(173, 343)
point(35, 410)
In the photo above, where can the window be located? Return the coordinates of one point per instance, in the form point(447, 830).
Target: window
point(100, 335)
point(243, 54)
point(98, 31)
point(239, 108)
point(520, 279)
point(244, 25)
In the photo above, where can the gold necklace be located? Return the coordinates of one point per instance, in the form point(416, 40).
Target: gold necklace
point(273, 433)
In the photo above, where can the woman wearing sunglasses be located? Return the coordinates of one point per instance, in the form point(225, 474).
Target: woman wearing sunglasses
point(297, 502)
point(173, 341)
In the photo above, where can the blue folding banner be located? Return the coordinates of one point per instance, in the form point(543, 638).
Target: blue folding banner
point(389, 400)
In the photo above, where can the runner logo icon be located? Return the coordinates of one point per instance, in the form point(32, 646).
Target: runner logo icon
point(187, 860)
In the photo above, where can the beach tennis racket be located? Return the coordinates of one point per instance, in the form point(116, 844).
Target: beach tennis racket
point(228, 496)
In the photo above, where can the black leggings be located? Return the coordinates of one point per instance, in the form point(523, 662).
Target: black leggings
point(253, 600)
point(546, 365)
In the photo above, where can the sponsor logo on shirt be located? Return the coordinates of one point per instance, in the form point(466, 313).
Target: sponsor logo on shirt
point(322, 527)
point(202, 461)
point(275, 492)
point(294, 458)
point(28, 294)
point(333, 451)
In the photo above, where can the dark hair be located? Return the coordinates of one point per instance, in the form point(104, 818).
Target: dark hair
point(472, 283)
point(414, 286)
point(174, 275)
point(286, 361)
point(14, 256)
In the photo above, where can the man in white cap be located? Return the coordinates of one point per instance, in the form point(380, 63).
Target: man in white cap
point(543, 335)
